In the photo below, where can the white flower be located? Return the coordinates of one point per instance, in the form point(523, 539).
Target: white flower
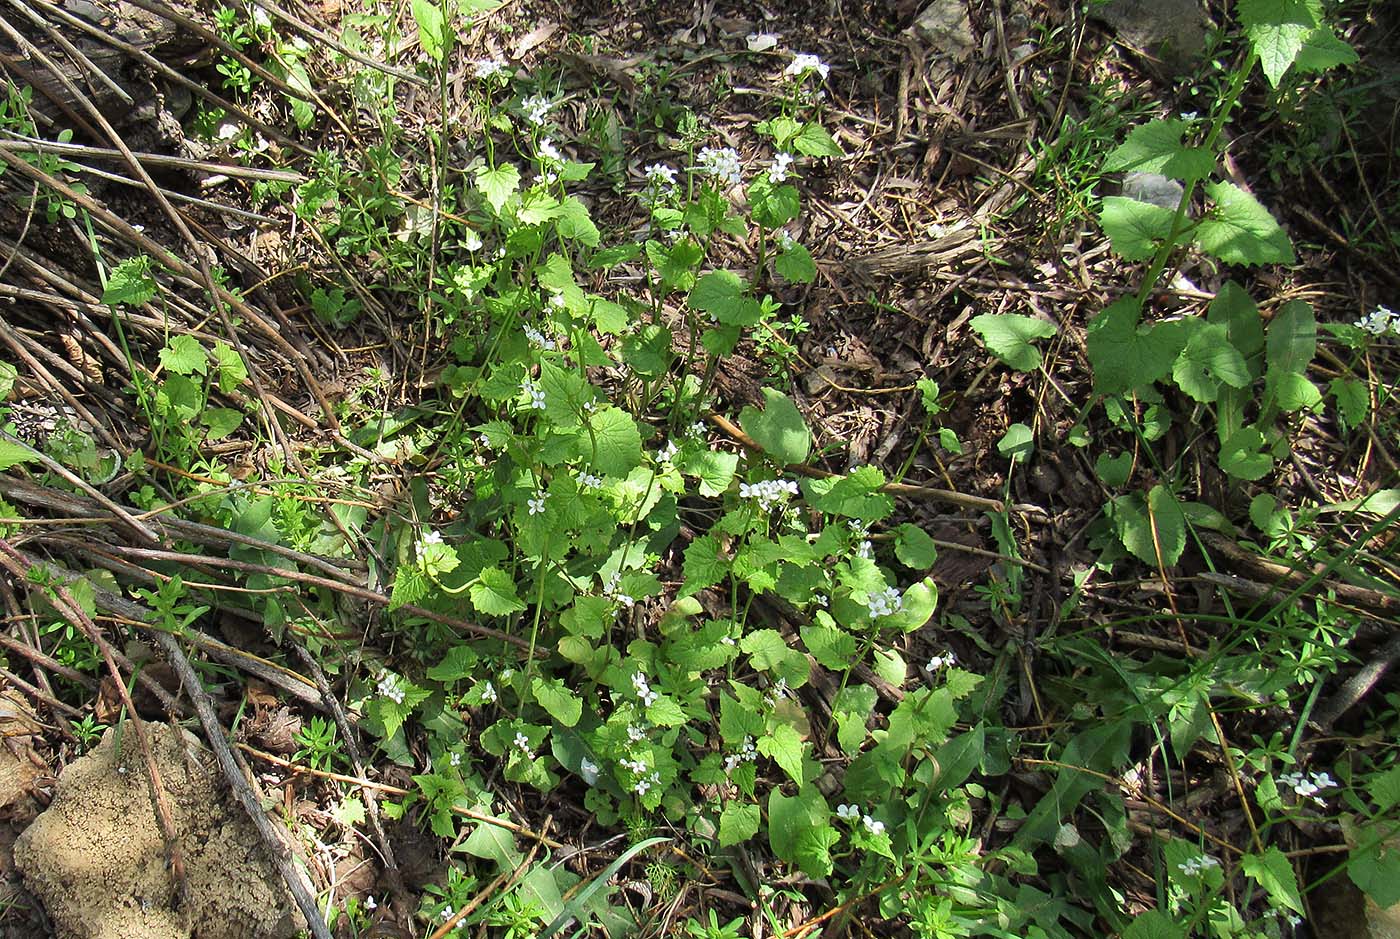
point(698, 429)
point(1383, 320)
point(431, 538)
point(803, 63)
point(471, 241)
point(536, 504)
point(391, 687)
point(865, 550)
point(1190, 115)
point(370, 904)
point(588, 770)
point(539, 340)
point(667, 453)
point(1195, 865)
point(721, 163)
point(548, 151)
point(1307, 787)
point(610, 589)
point(637, 766)
point(522, 743)
point(769, 492)
point(455, 759)
point(488, 68)
point(547, 178)
point(589, 481)
point(484, 442)
point(872, 825)
point(785, 241)
point(639, 683)
point(779, 170)
point(661, 178)
point(748, 753)
point(558, 301)
point(885, 603)
point(939, 662)
point(446, 913)
point(590, 406)
point(535, 108)
point(535, 393)
point(635, 734)
point(848, 811)
point(761, 42)
point(488, 692)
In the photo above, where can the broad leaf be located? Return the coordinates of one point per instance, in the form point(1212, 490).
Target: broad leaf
point(1277, 29)
point(497, 185)
point(1274, 872)
point(1008, 336)
point(1156, 147)
point(1208, 360)
point(1126, 356)
point(779, 428)
point(1239, 230)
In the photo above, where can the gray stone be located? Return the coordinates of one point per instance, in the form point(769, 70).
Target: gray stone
point(1173, 31)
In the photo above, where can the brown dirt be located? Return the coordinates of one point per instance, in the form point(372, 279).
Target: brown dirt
point(96, 861)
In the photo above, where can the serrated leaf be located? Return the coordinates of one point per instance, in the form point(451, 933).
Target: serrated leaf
point(13, 454)
point(1156, 147)
point(184, 356)
point(1208, 360)
point(459, 663)
point(1277, 30)
point(813, 140)
point(229, 366)
point(798, 827)
point(1147, 525)
point(738, 822)
point(785, 747)
point(557, 700)
point(1274, 872)
point(724, 295)
point(1322, 50)
point(796, 264)
point(493, 843)
point(1126, 356)
point(221, 422)
point(1353, 401)
point(573, 223)
point(1135, 228)
point(714, 468)
point(130, 283)
point(497, 185)
point(1239, 230)
point(914, 548)
point(1376, 870)
point(705, 565)
point(1233, 308)
point(831, 647)
point(494, 593)
point(1241, 458)
point(1008, 336)
point(779, 428)
point(617, 441)
point(1101, 748)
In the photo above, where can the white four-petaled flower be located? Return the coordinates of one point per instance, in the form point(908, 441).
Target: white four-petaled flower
point(535, 393)
point(1383, 320)
point(885, 603)
point(535, 108)
point(721, 163)
point(778, 172)
point(1195, 865)
point(536, 504)
point(488, 68)
point(803, 63)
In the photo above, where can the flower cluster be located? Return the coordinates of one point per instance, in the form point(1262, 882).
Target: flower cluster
point(721, 163)
point(785, 241)
point(748, 753)
point(535, 108)
point(1307, 787)
point(1383, 320)
point(589, 481)
point(661, 180)
point(803, 64)
point(639, 683)
point(940, 662)
point(522, 743)
point(778, 172)
point(540, 341)
point(489, 68)
point(391, 687)
point(769, 492)
point(610, 589)
point(853, 812)
point(885, 603)
point(535, 393)
point(641, 786)
point(1195, 865)
point(667, 453)
point(548, 151)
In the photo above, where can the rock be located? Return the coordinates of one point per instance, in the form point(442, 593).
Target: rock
point(96, 861)
point(943, 29)
point(1170, 30)
point(1152, 188)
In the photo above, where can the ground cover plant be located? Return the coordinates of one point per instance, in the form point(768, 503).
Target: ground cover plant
point(893, 472)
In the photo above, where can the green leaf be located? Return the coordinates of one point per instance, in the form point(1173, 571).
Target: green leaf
point(459, 663)
point(1274, 872)
point(496, 185)
point(813, 140)
point(1277, 29)
point(1017, 443)
point(1102, 747)
point(714, 468)
point(914, 548)
point(738, 822)
point(784, 746)
point(573, 223)
point(1376, 870)
point(184, 356)
point(1233, 308)
point(12, 454)
point(1241, 458)
point(1154, 924)
point(831, 647)
point(799, 830)
point(8, 374)
point(1239, 230)
point(1144, 525)
point(493, 843)
point(130, 283)
point(434, 32)
point(1291, 345)
point(229, 367)
point(1322, 50)
point(1008, 336)
point(705, 565)
point(773, 206)
point(1156, 147)
point(494, 593)
point(1207, 360)
point(1353, 401)
point(724, 295)
point(560, 703)
point(1135, 228)
point(796, 264)
point(1384, 789)
point(618, 442)
point(576, 905)
point(1114, 470)
point(221, 422)
point(1126, 356)
point(779, 428)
